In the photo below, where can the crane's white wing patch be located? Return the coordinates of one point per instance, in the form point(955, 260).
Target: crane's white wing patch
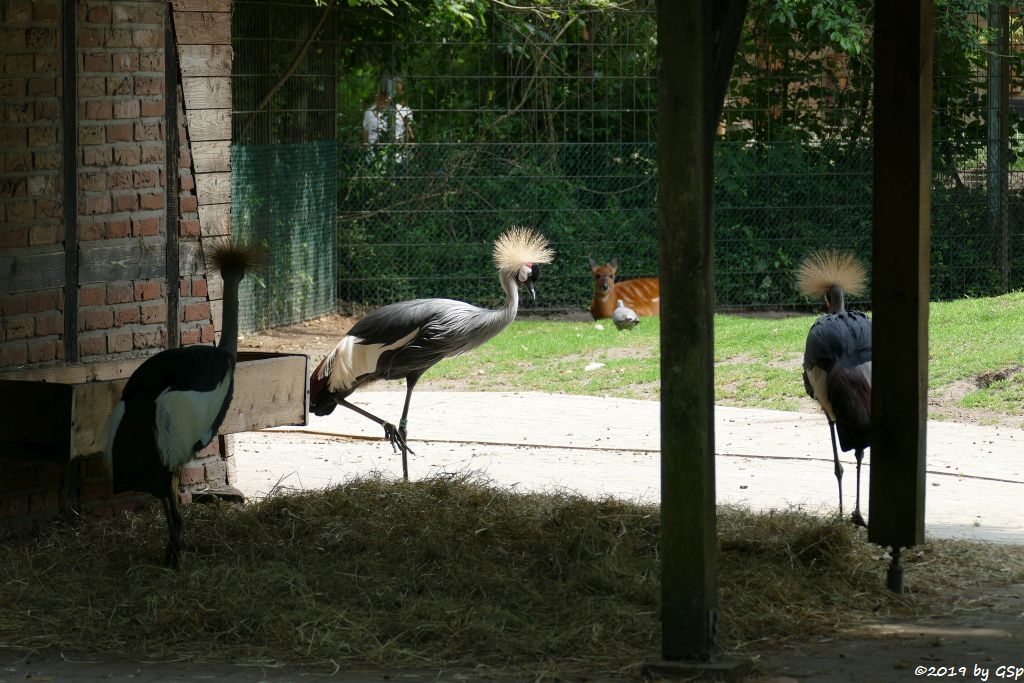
point(184, 418)
point(818, 379)
point(353, 359)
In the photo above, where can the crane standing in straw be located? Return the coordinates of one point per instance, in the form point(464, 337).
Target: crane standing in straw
point(174, 403)
point(405, 339)
point(837, 357)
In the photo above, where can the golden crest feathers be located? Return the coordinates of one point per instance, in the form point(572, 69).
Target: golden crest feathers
point(821, 270)
point(519, 245)
point(237, 256)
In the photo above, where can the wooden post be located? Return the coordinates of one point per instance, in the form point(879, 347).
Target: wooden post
point(69, 131)
point(689, 531)
point(900, 292)
point(998, 125)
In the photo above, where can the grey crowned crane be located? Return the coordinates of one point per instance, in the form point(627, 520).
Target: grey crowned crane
point(837, 357)
point(623, 317)
point(174, 403)
point(403, 340)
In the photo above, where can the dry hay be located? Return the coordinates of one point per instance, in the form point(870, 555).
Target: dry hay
point(449, 571)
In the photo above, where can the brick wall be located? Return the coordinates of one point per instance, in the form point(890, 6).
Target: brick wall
point(122, 310)
point(31, 322)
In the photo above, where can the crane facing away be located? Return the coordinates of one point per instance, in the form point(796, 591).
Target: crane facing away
point(407, 338)
point(174, 403)
point(837, 357)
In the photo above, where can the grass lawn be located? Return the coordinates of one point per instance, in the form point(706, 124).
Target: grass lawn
point(978, 343)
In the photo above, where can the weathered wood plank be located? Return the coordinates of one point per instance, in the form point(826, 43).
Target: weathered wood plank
point(126, 259)
point(212, 156)
point(208, 92)
point(202, 5)
point(214, 286)
point(190, 258)
point(28, 272)
point(205, 60)
point(76, 373)
point(217, 313)
point(203, 28)
point(93, 403)
point(215, 219)
point(209, 124)
point(213, 188)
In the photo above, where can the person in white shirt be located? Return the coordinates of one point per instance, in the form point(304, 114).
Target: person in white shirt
point(376, 118)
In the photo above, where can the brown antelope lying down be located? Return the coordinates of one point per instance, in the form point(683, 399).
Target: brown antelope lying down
point(642, 294)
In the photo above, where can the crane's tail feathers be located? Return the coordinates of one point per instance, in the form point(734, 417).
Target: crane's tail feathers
point(822, 270)
point(518, 246)
point(227, 256)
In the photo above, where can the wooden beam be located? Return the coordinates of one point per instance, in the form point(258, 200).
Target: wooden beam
point(213, 156)
point(209, 124)
point(215, 220)
point(213, 188)
point(203, 28)
point(205, 60)
point(688, 532)
point(207, 92)
point(900, 292)
point(171, 78)
point(69, 131)
point(28, 272)
point(123, 259)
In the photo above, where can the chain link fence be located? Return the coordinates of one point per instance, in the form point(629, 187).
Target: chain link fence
point(547, 119)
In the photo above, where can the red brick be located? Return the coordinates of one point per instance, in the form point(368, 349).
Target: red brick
point(152, 61)
point(92, 295)
point(13, 238)
point(39, 37)
point(96, 204)
point(90, 231)
point(216, 471)
point(207, 334)
point(49, 323)
point(192, 474)
point(146, 179)
point(148, 131)
point(20, 328)
point(184, 288)
point(125, 315)
point(92, 181)
point(151, 202)
point(47, 161)
point(126, 14)
point(96, 156)
point(119, 86)
point(47, 110)
point(95, 345)
point(42, 137)
point(153, 313)
point(13, 187)
point(42, 234)
point(97, 320)
point(39, 87)
point(120, 293)
point(188, 227)
point(91, 135)
point(189, 337)
point(146, 227)
point(147, 290)
point(126, 201)
point(152, 108)
point(45, 300)
point(199, 286)
point(19, 11)
point(188, 204)
point(118, 37)
point(195, 312)
point(186, 182)
point(126, 62)
point(119, 228)
point(41, 350)
point(184, 159)
point(13, 353)
point(20, 211)
point(147, 340)
point(98, 14)
point(152, 154)
point(149, 85)
point(47, 10)
point(90, 86)
point(120, 180)
point(151, 13)
point(96, 62)
point(16, 162)
point(147, 37)
point(127, 156)
point(119, 342)
point(13, 304)
point(120, 132)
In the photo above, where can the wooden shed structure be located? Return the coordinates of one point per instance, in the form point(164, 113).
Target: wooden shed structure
point(114, 171)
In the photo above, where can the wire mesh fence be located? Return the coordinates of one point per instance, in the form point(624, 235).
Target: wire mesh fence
point(548, 119)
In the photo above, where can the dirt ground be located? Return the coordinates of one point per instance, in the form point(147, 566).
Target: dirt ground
point(318, 337)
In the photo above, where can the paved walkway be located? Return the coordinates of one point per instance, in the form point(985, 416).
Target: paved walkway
point(601, 446)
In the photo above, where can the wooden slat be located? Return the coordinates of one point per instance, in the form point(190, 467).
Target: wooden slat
point(214, 286)
point(213, 156)
point(217, 313)
point(126, 259)
point(202, 5)
point(76, 373)
point(93, 404)
point(213, 188)
point(205, 60)
point(207, 92)
point(209, 124)
point(203, 28)
point(28, 272)
point(190, 259)
point(215, 219)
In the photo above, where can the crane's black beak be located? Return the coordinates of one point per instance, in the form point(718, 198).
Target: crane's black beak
point(531, 289)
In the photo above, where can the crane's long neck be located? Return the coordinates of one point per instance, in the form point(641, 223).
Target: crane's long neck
point(836, 299)
point(497, 320)
point(229, 323)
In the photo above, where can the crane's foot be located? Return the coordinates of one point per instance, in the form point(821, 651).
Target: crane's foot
point(858, 519)
point(395, 438)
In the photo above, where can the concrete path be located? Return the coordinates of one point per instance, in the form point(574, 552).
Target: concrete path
point(601, 446)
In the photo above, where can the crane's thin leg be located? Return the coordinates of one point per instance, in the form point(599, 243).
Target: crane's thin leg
point(857, 518)
point(839, 465)
point(403, 424)
point(391, 432)
point(173, 550)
